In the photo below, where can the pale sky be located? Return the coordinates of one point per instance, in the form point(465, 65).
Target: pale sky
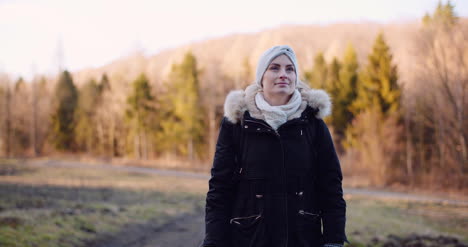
point(93, 33)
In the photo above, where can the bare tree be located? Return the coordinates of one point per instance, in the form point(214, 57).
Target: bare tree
point(34, 113)
point(6, 115)
point(440, 98)
point(450, 79)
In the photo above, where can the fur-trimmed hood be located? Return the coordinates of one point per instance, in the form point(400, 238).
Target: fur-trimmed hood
point(239, 101)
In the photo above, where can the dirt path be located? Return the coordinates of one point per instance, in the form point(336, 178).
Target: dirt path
point(404, 196)
point(347, 191)
point(188, 230)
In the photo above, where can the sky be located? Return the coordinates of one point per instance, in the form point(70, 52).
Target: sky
point(36, 36)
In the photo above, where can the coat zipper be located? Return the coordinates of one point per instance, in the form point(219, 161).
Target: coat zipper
point(284, 186)
point(284, 172)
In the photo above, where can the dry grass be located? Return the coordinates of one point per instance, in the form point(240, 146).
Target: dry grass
point(68, 206)
point(370, 219)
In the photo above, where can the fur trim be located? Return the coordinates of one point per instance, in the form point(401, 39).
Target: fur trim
point(318, 99)
point(239, 101)
point(234, 106)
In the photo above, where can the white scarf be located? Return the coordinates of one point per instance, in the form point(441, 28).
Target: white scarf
point(275, 116)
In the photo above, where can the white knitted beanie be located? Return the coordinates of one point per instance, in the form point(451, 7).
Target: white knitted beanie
point(271, 54)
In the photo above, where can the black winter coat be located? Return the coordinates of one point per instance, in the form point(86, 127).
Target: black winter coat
point(275, 188)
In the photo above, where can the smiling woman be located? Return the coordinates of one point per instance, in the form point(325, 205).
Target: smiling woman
point(276, 178)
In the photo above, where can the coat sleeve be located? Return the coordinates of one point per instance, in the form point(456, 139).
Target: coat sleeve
point(331, 201)
point(221, 189)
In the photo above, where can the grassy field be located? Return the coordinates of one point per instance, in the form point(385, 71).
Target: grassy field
point(42, 206)
point(58, 206)
point(378, 221)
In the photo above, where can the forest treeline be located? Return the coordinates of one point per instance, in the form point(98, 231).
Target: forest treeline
point(389, 131)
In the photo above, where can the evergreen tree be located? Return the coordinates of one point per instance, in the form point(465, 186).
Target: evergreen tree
point(331, 84)
point(444, 16)
point(140, 115)
point(378, 83)
point(104, 83)
point(108, 120)
point(317, 77)
point(344, 93)
point(183, 124)
point(85, 131)
point(334, 72)
point(63, 123)
point(333, 77)
point(376, 130)
point(20, 117)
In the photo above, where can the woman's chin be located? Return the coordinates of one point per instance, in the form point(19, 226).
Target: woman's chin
point(284, 90)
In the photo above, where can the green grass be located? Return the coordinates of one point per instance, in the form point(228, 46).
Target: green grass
point(47, 218)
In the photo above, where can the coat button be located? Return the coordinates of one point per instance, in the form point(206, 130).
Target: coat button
point(246, 126)
point(259, 196)
point(300, 193)
point(258, 128)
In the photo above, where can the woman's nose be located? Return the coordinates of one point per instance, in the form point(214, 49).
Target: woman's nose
point(283, 74)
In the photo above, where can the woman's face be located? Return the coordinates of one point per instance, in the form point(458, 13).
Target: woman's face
point(280, 77)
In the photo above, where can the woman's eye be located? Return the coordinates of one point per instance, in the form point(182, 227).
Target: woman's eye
point(274, 68)
point(290, 69)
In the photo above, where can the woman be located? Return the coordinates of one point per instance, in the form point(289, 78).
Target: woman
point(276, 178)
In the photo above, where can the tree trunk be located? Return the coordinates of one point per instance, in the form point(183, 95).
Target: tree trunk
point(190, 149)
point(34, 119)
point(461, 137)
point(7, 121)
point(211, 129)
point(112, 137)
point(101, 140)
point(461, 90)
point(440, 141)
point(421, 146)
point(409, 146)
point(144, 146)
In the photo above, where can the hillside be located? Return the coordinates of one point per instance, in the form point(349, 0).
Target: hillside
point(225, 57)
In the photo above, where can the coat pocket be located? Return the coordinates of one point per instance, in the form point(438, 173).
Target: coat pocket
point(245, 222)
point(248, 226)
point(249, 231)
point(309, 228)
